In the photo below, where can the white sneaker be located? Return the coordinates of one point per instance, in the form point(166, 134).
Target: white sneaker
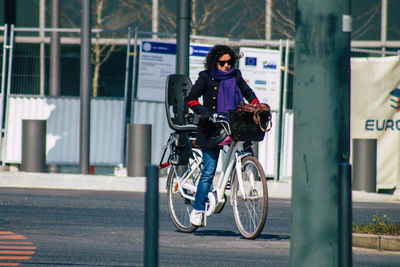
point(196, 217)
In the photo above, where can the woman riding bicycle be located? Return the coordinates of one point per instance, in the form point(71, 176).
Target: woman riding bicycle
point(222, 87)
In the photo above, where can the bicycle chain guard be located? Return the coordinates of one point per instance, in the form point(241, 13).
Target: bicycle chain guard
point(214, 206)
point(212, 201)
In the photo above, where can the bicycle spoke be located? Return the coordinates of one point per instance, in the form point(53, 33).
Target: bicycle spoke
point(250, 210)
point(179, 203)
point(254, 218)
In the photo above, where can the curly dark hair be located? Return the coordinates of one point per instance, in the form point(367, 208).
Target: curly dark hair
point(215, 53)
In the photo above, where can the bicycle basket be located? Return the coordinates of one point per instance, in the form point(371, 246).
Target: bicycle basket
point(243, 127)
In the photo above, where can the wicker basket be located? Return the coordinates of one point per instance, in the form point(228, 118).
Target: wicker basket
point(243, 127)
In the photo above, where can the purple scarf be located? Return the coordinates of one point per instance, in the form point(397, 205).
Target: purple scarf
point(229, 95)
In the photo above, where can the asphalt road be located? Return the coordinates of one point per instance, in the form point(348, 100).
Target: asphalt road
point(95, 228)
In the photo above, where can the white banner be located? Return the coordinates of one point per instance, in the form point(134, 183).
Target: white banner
point(261, 68)
point(197, 57)
point(375, 112)
point(157, 60)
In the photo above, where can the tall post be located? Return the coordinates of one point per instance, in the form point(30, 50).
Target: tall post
point(384, 16)
point(54, 89)
point(85, 89)
point(10, 11)
point(154, 15)
point(321, 104)
point(151, 217)
point(268, 13)
point(183, 37)
point(42, 25)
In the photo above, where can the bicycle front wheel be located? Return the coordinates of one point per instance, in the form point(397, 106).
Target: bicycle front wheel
point(179, 207)
point(250, 205)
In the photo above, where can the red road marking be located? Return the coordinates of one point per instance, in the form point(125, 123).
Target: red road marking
point(15, 257)
point(15, 243)
point(12, 248)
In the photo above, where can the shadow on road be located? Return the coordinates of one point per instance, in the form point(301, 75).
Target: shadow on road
point(235, 234)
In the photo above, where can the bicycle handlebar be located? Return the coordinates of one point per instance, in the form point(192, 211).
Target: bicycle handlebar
point(222, 119)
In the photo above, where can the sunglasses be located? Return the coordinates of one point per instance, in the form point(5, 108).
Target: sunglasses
point(223, 62)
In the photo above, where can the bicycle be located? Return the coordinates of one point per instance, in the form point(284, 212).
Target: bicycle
point(241, 175)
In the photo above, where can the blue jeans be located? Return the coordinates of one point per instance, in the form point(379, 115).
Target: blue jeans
point(210, 161)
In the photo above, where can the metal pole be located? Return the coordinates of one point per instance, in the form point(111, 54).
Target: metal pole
point(127, 63)
point(383, 26)
point(268, 12)
point(321, 135)
point(183, 37)
point(85, 89)
point(284, 97)
point(345, 216)
point(10, 59)
point(42, 23)
point(154, 20)
point(151, 218)
point(54, 89)
point(134, 77)
point(278, 125)
point(3, 86)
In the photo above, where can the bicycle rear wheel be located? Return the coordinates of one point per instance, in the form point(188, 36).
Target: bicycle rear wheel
point(179, 208)
point(250, 210)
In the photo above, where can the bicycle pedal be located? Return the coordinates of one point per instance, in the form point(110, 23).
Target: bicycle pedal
point(204, 219)
point(204, 222)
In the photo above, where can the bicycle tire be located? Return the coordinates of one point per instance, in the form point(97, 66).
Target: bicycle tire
point(179, 208)
point(250, 214)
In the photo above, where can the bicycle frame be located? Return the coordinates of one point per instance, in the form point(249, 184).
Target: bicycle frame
point(231, 162)
point(188, 173)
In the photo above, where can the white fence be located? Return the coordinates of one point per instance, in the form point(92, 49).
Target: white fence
point(62, 137)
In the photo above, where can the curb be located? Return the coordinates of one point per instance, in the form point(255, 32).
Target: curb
point(379, 242)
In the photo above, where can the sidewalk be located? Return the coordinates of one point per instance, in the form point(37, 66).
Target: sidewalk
point(276, 189)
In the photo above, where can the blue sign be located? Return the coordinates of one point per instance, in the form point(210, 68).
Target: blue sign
point(269, 65)
point(250, 61)
point(158, 47)
point(260, 82)
point(199, 51)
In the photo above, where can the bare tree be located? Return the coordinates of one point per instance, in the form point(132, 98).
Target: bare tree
point(283, 18)
point(367, 20)
point(106, 15)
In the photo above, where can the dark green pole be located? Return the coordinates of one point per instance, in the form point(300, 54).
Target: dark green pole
point(345, 216)
point(151, 217)
point(321, 103)
point(183, 37)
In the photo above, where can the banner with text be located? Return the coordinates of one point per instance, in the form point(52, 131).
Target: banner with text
point(157, 60)
point(375, 112)
point(261, 68)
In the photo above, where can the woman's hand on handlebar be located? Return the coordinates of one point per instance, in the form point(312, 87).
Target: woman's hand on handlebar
point(204, 114)
point(215, 117)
